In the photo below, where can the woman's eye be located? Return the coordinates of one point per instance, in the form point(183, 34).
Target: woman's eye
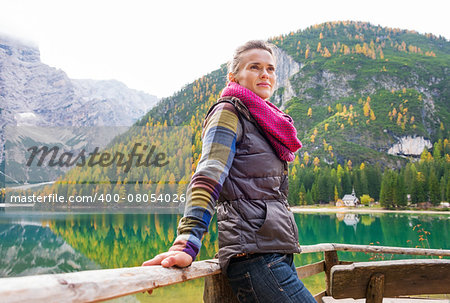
point(254, 67)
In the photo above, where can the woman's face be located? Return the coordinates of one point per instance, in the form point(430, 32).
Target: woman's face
point(257, 72)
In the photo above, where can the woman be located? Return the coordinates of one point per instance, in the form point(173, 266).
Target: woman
point(247, 142)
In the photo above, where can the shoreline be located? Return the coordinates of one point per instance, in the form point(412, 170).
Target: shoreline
point(298, 209)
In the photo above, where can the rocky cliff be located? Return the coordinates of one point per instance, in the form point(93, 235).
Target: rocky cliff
point(32, 92)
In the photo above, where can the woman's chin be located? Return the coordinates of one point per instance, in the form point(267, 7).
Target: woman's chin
point(263, 95)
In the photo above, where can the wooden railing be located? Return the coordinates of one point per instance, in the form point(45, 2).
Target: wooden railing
point(99, 285)
point(376, 280)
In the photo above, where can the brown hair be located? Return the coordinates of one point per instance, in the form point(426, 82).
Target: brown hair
point(233, 65)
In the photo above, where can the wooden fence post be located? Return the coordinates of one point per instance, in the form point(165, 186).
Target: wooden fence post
point(218, 290)
point(375, 289)
point(331, 259)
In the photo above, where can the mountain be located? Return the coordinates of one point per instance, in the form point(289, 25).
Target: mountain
point(356, 92)
point(368, 91)
point(35, 94)
point(32, 92)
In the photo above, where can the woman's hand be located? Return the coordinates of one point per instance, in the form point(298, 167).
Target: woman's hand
point(169, 259)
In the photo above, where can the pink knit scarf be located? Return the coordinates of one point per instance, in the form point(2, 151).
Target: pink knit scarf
point(277, 126)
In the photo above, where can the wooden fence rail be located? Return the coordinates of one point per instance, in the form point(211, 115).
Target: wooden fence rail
point(99, 285)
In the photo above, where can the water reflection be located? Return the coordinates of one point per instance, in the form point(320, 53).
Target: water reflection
point(349, 219)
point(30, 249)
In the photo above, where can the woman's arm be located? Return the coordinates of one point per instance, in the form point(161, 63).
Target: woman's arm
point(221, 131)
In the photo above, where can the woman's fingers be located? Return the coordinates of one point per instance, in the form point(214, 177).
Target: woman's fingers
point(169, 259)
point(178, 258)
point(155, 261)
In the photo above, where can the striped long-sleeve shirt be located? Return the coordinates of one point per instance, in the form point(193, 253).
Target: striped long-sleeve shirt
point(221, 131)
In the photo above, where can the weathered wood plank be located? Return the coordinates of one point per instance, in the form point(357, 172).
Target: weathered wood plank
point(318, 297)
point(310, 269)
point(374, 249)
point(402, 277)
point(385, 300)
point(375, 290)
point(97, 285)
point(331, 259)
point(218, 290)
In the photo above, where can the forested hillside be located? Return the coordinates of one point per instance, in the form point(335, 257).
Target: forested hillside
point(362, 95)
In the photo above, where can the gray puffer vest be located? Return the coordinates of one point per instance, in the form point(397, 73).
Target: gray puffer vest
point(253, 214)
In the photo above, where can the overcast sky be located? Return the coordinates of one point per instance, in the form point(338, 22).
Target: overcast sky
point(159, 46)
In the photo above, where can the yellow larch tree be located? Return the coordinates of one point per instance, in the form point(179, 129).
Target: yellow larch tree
point(372, 115)
point(366, 109)
point(306, 158)
point(316, 161)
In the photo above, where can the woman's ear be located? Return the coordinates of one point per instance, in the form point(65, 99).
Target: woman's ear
point(231, 77)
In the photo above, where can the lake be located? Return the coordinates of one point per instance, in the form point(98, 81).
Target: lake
point(47, 242)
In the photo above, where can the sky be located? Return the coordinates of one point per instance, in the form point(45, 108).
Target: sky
point(160, 46)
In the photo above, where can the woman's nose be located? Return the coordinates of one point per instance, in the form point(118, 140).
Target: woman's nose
point(264, 73)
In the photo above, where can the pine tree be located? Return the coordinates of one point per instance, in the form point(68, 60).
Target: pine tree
point(315, 192)
point(309, 199)
point(302, 195)
point(346, 183)
point(356, 181)
point(419, 192)
point(448, 191)
point(294, 182)
point(400, 193)
point(323, 186)
point(387, 195)
point(364, 182)
point(433, 189)
point(374, 181)
point(442, 185)
point(409, 176)
point(437, 150)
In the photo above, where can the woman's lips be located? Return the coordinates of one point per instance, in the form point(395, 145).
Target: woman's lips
point(264, 84)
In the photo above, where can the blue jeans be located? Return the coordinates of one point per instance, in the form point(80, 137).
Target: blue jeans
point(267, 278)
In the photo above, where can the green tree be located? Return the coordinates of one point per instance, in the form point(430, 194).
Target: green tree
point(294, 186)
point(374, 174)
point(437, 150)
point(448, 190)
point(302, 195)
point(365, 199)
point(309, 198)
point(442, 185)
point(314, 193)
point(409, 177)
point(346, 183)
point(419, 192)
point(400, 193)
point(325, 188)
point(433, 189)
point(387, 194)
